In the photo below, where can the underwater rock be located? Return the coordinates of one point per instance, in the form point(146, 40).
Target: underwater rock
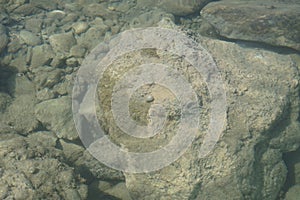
point(99, 10)
point(175, 7)
point(56, 115)
point(29, 38)
point(93, 35)
point(149, 19)
point(19, 114)
point(62, 42)
point(120, 191)
point(261, 91)
point(23, 10)
point(33, 168)
point(44, 4)
point(5, 99)
point(293, 193)
point(45, 94)
point(96, 168)
point(47, 77)
point(272, 23)
point(88, 166)
point(34, 25)
point(3, 38)
point(19, 62)
point(14, 45)
point(77, 51)
point(41, 55)
point(80, 27)
point(4, 17)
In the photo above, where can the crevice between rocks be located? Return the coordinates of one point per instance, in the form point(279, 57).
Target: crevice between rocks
point(291, 159)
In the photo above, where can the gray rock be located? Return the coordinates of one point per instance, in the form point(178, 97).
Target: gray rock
point(93, 35)
point(77, 51)
point(272, 23)
point(292, 160)
point(293, 193)
point(120, 191)
point(176, 7)
point(65, 87)
point(97, 188)
point(4, 17)
point(72, 62)
point(7, 78)
point(47, 77)
point(99, 10)
point(34, 25)
point(25, 10)
point(30, 38)
point(19, 62)
point(5, 99)
point(41, 55)
point(53, 21)
point(72, 152)
point(101, 185)
point(80, 27)
point(20, 114)
point(122, 6)
point(38, 169)
point(96, 168)
point(62, 42)
point(149, 19)
point(45, 94)
point(3, 38)
point(44, 4)
point(71, 17)
point(59, 61)
point(82, 160)
point(14, 45)
point(56, 115)
point(73, 6)
point(4, 191)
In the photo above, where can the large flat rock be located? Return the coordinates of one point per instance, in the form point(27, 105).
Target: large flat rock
point(268, 22)
point(262, 101)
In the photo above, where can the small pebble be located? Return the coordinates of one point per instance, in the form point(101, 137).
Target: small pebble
point(19, 74)
point(149, 98)
point(80, 27)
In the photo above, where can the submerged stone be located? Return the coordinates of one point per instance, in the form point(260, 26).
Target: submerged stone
point(276, 24)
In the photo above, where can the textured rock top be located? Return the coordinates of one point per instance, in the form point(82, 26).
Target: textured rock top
point(268, 22)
